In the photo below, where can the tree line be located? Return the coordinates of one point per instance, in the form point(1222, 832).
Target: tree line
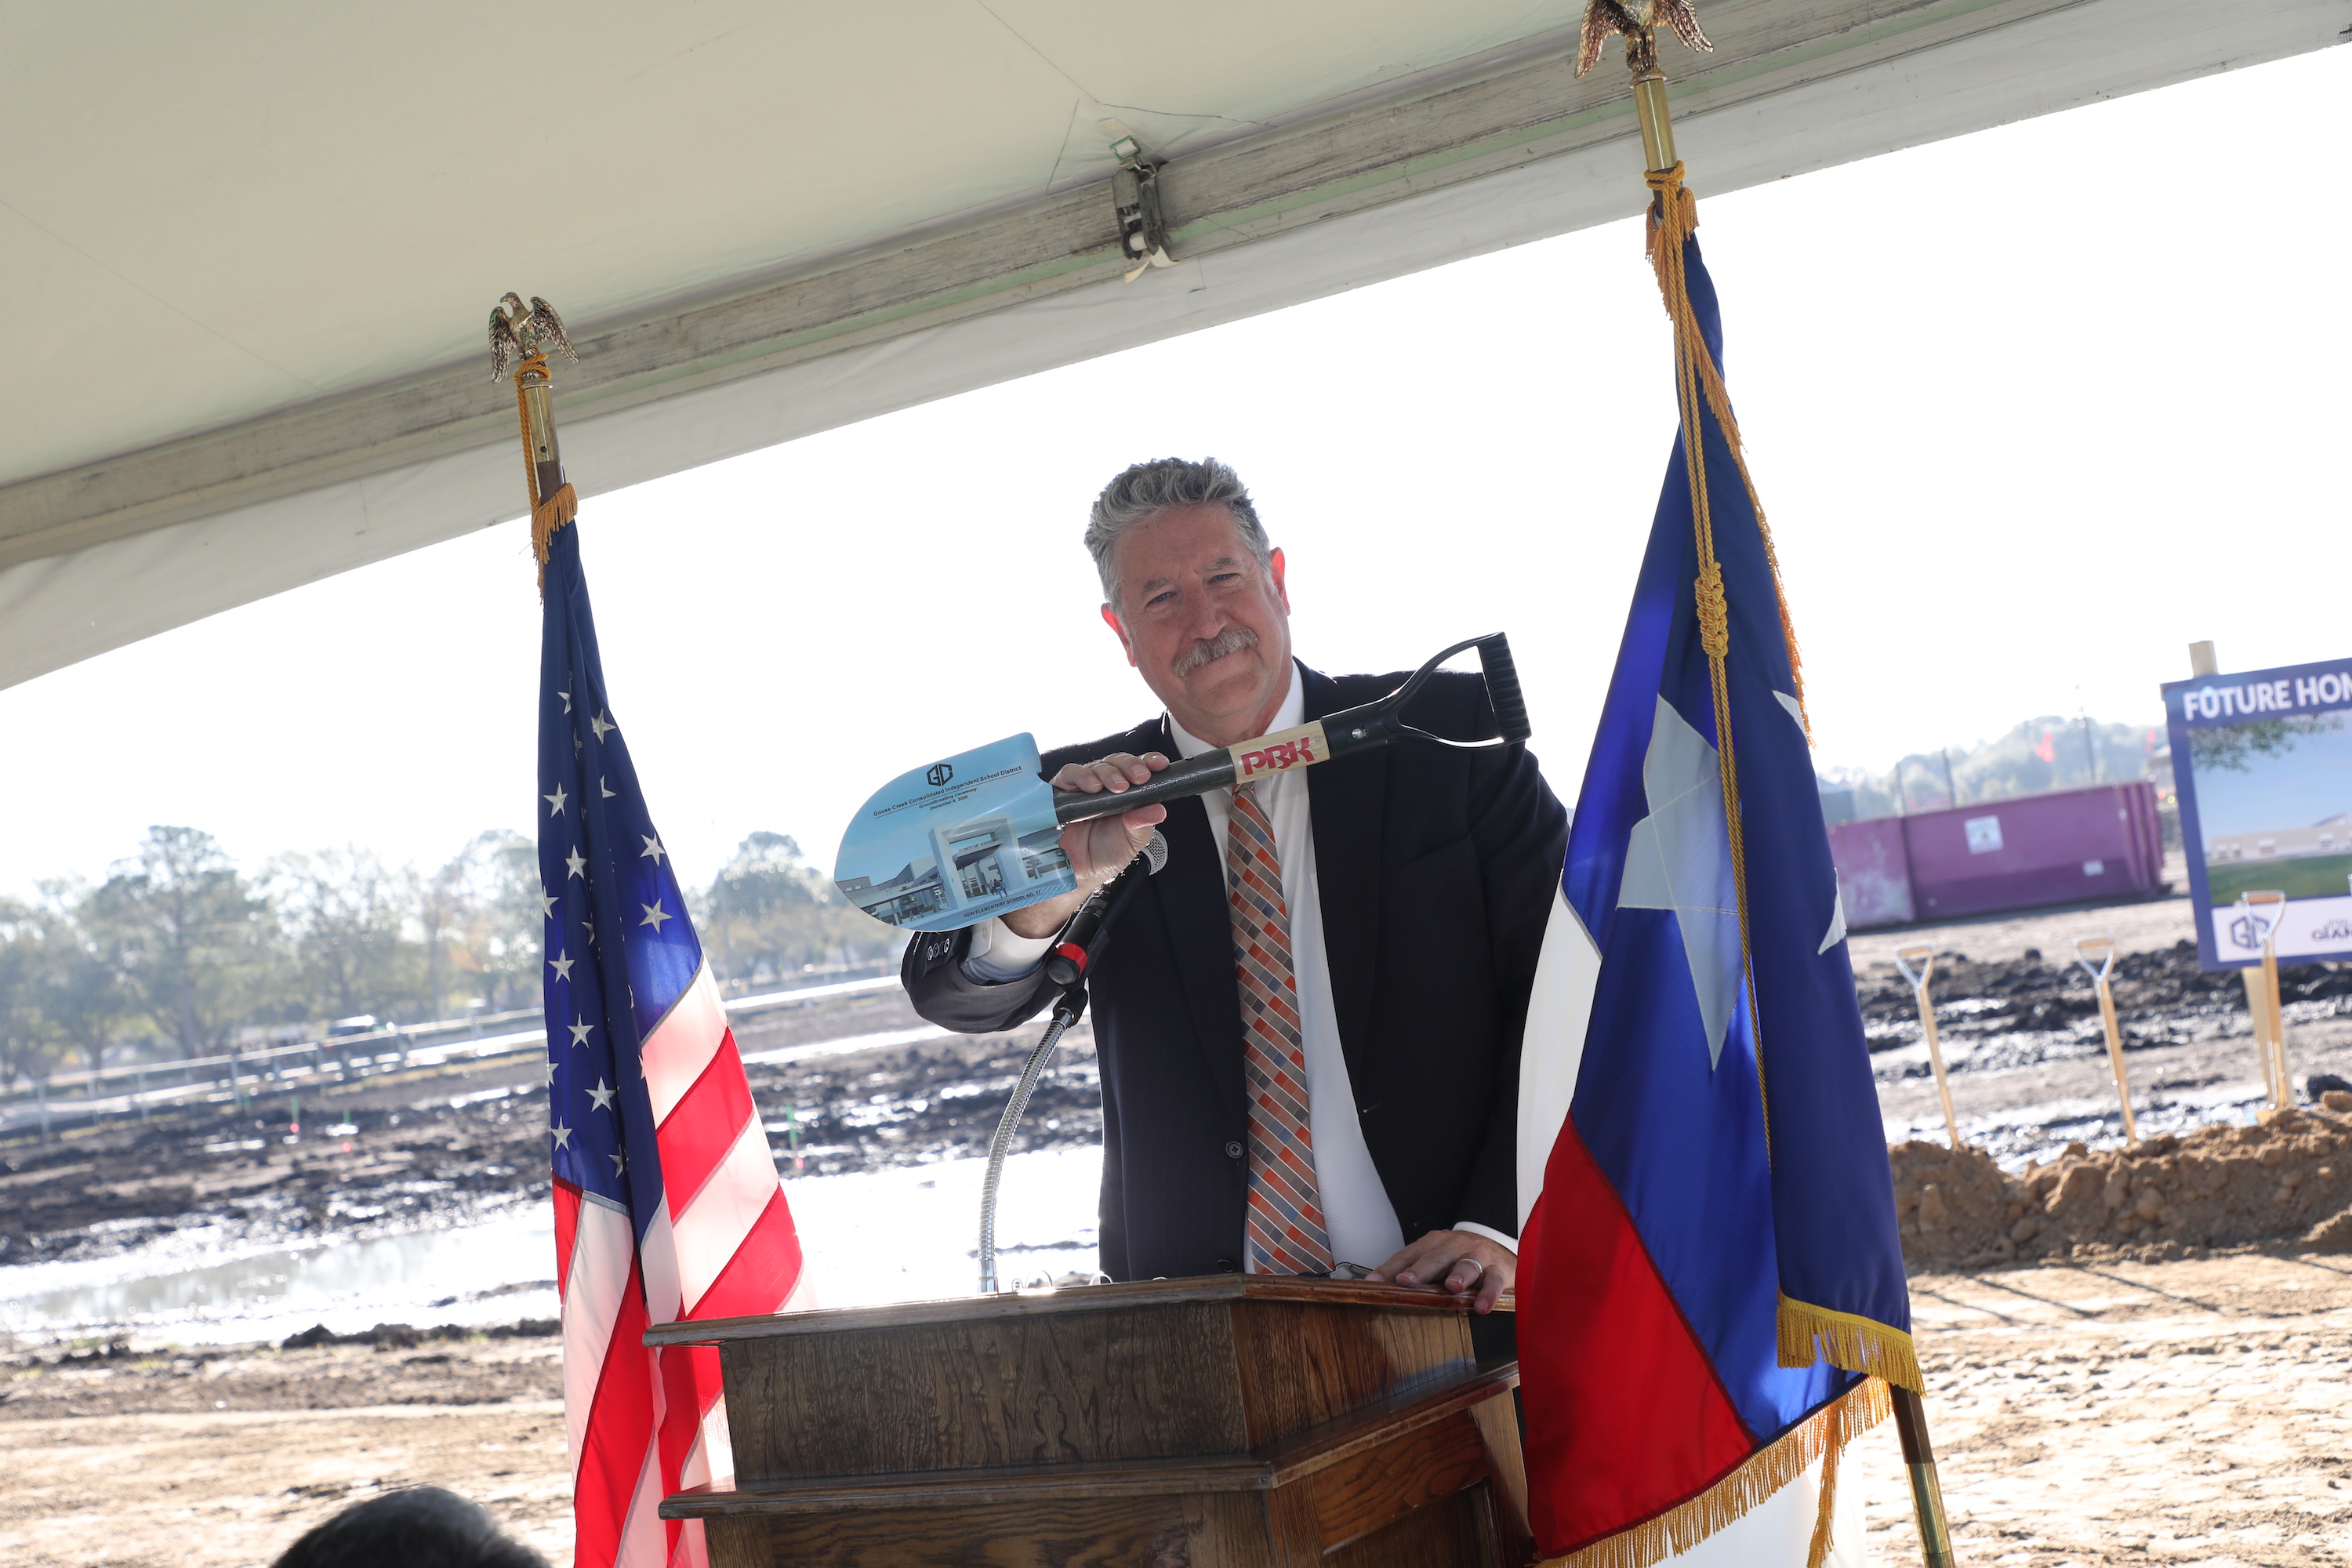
point(180, 952)
point(2051, 752)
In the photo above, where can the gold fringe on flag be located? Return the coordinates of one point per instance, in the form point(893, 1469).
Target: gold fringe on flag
point(1821, 1436)
point(548, 518)
point(1810, 1333)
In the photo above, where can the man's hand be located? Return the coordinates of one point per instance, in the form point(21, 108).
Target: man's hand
point(1460, 1259)
point(1100, 847)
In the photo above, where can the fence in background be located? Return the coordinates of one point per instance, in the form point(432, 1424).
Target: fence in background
point(241, 1074)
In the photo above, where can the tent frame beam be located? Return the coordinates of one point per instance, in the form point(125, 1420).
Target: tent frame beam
point(1503, 112)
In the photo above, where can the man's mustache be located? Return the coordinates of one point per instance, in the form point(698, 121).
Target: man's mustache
point(1208, 650)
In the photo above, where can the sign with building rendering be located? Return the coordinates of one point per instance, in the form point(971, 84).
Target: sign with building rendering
point(2263, 762)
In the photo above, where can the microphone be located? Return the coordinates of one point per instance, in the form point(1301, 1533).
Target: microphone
point(1065, 964)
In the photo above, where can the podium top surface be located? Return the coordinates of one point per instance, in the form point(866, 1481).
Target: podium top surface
point(1073, 1299)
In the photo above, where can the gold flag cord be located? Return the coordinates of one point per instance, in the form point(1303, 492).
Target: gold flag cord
point(1674, 215)
point(1822, 1437)
point(1807, 1332)
point(1679, 211)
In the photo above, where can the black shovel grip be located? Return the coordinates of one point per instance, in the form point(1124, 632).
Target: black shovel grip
point(1503, 688)
point(1193, 775)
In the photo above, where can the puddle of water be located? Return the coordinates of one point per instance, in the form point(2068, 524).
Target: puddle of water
point(899, 1234)
point(347, 1285)
point(913, 1234)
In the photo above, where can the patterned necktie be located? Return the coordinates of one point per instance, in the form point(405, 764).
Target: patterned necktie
point(1285, 1208)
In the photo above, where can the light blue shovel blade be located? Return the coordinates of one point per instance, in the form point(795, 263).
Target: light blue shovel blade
point(954, 842)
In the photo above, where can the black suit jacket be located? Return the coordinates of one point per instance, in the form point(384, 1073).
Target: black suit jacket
point(1437, 870)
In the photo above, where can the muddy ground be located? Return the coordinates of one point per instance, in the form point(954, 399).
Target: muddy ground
point(2100, 1414)
point(2019, 1027)
point(2113, 1404)
point(441, 1146)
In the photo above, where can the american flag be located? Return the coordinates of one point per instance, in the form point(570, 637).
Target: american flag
point(668, 1205)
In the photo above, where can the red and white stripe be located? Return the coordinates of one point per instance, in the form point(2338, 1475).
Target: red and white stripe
point(643, 1423)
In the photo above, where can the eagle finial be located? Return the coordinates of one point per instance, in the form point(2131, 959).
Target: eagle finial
point(550, 327)
point(505, 348)
point(518, 331)
point(1637, 21)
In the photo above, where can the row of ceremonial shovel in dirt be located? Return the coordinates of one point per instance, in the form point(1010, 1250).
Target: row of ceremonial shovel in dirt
point(2096, 954)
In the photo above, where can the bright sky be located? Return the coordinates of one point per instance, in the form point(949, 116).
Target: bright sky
point(2310, 783)
point(2031, 410)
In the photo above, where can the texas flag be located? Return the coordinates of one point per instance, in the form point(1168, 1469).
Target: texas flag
point(1709, 1265)
point(668, 1205)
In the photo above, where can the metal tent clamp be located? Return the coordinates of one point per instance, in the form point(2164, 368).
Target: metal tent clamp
point(1135, 193)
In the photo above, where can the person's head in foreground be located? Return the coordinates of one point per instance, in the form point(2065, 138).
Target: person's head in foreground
point(419, 1527)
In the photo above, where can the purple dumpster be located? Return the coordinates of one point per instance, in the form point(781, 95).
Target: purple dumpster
point(2062, 848)
point(1873, 877)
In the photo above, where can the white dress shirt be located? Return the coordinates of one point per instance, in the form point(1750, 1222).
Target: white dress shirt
point(1357, 1214)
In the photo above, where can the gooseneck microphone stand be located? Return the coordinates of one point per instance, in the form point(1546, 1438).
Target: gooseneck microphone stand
point(1065, 966)
point(1066, 1009)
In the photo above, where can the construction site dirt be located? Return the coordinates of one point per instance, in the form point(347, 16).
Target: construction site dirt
point(2160, 1376)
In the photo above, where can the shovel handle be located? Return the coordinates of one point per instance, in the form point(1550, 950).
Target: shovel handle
point(1359, 728)
point(1193, 775)
point(1503, 688)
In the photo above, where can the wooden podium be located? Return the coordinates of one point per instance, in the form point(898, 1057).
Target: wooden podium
point(1235, 1421)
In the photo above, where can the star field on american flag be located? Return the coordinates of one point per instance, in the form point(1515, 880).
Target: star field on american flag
point(667, 1203)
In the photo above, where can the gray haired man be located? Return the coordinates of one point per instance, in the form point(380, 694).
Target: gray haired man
point(1309, 1024)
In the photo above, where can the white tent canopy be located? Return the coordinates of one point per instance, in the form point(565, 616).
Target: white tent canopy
point(251, 249)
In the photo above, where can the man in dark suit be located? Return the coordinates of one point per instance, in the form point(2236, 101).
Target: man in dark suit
point(1309, 1024)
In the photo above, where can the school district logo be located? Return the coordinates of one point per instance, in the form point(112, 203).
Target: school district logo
point(940, 774)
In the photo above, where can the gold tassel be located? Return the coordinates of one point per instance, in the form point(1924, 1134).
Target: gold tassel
point(1825, 1513)
point(1730, 1499)
point(547, 518)
point(1810, 1333)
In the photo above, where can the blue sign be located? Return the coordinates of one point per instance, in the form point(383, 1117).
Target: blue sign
point(2263, 762)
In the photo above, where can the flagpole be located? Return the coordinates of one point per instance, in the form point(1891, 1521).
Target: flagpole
point(1657, 125)
point(1919, 1460)
point(1910, 1410)
point(524, 335)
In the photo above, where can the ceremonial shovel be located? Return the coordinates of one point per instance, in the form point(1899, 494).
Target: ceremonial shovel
point(1927, 957)
point(2262, 910)
point(974, 835)
point(2103, 948)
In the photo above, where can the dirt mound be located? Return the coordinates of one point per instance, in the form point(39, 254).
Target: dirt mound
point(2289, 1177)
point(403, 1337)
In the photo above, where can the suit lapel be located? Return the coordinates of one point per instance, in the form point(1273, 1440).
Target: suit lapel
point(1345, 806)
point(1191, 894)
